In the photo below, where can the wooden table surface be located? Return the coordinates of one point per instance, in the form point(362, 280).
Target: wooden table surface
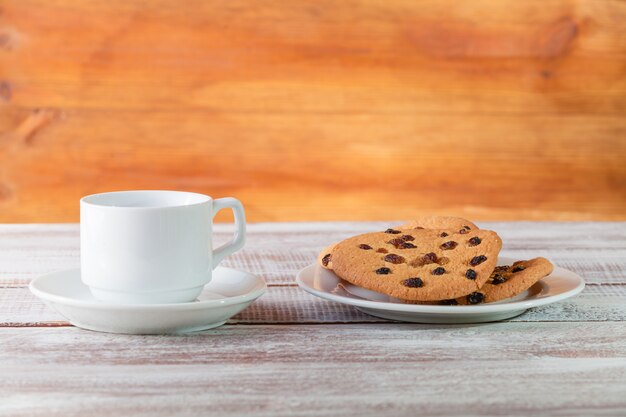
point(293, 354)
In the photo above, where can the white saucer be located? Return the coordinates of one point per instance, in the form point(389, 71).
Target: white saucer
point(558, 286)
point(229, 292)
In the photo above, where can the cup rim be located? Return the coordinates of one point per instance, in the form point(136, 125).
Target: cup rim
point(88, 200)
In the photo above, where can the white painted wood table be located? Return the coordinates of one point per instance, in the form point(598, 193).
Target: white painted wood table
point(292, 354)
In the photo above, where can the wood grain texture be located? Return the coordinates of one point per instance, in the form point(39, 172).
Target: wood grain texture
point(317, 110)
point(366, 370)
point(277, 251)
point(291, 305)
point(321, 358)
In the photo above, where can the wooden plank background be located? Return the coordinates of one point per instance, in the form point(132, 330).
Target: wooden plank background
point(317, 109)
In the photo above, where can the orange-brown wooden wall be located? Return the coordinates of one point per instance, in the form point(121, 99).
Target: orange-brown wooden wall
point(317, 110)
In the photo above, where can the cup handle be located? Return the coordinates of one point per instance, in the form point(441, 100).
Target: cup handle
point(239, 239)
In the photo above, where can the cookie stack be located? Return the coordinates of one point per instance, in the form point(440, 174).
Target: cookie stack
point(433, 260)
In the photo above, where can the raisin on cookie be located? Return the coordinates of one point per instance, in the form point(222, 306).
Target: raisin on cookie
point(325, 258)
point(418, 264)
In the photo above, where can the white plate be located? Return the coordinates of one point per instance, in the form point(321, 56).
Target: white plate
point(229, 292)
point(557, 286)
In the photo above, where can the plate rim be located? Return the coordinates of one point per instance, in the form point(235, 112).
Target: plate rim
point(260, 287)
point(442, 309)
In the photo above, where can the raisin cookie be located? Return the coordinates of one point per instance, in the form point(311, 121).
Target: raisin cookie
point(430, 222)
point(440, 222)
point(507, 281)
point(418, 264)
point(325, 258)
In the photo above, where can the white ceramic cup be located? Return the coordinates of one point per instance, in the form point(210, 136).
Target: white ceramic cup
point(152, 247)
